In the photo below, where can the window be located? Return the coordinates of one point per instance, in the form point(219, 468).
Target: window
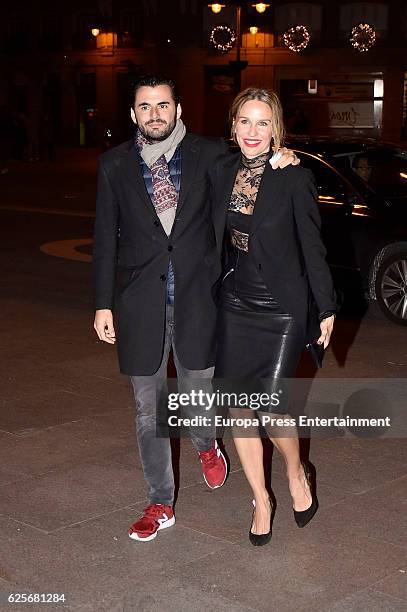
point(373, 13)
point(17, 25)
point(18, 39)
point(384, 169)
point(298, 13)
point(404, 123)
point(84, 24)
point(50, 38)
point(329, 183)
point(131, 28)
point(379, 169)
point(50, 24)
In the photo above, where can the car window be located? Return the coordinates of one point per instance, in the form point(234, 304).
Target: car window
point(329, 182)
point(380, 170)
point(383, 169)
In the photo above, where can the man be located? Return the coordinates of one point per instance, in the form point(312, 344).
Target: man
point(154, 240)
point(362, 167)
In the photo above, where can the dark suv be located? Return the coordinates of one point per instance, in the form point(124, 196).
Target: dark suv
point(362, 192)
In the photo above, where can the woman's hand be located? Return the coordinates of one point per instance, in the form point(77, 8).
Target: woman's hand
point(284, 157)
point(326, 326)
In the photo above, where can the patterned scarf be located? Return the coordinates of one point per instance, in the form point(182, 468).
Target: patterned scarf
point(165, 196)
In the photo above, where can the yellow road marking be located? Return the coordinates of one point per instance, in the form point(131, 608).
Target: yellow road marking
point(67, 249)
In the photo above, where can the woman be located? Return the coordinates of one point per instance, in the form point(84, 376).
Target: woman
point(275, 262)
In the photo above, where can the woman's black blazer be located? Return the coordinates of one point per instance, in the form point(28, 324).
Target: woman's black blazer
point(285, 238)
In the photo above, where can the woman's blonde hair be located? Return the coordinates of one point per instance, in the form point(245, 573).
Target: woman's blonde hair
point(273, 102)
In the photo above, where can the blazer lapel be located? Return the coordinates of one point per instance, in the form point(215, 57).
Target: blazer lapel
point(227, 177)
point(269, 193)
point(224, 186)
point(189, 161)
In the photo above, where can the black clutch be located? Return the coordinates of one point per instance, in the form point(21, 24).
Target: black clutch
point(317, 352)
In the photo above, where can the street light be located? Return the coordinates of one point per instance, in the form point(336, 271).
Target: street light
point(260, 7)
point(106, 40)
point(216, 8)
point(239, 64)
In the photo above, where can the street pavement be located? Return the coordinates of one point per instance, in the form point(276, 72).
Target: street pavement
point(70, 477)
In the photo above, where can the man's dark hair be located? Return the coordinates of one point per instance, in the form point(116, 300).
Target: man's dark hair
point(153, 80)
point(358, 157)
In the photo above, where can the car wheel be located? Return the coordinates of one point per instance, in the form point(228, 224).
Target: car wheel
point(391, 287)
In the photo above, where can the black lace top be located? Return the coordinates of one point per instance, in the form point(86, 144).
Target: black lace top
point(247, 183)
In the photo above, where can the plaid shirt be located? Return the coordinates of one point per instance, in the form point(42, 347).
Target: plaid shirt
point(174, 167)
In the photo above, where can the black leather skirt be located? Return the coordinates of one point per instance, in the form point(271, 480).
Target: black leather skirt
point(256, 339)
point(258, 343)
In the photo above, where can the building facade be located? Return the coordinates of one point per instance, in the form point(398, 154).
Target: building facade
point(53, 66)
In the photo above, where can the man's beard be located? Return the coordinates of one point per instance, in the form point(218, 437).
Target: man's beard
point(152, 136)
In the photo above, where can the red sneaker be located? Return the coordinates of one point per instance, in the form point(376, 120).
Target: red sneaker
point(214, 467)
point(155, 517)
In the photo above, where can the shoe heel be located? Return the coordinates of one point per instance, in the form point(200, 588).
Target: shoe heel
point(303, 517)
point(262, 538)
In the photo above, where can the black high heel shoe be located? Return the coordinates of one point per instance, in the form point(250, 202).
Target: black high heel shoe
point(262, 538)
point(303, 517)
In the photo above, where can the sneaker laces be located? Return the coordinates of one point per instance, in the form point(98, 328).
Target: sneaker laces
point(154, 511)
point(150, 517)
point(209, 457)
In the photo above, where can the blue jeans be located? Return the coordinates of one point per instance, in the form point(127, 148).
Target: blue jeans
point(150, 393)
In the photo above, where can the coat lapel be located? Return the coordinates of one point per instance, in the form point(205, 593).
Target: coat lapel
point(227, 177)
point(269, 193)
point(189, 161)
point(134, 177)
point(224, 187)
